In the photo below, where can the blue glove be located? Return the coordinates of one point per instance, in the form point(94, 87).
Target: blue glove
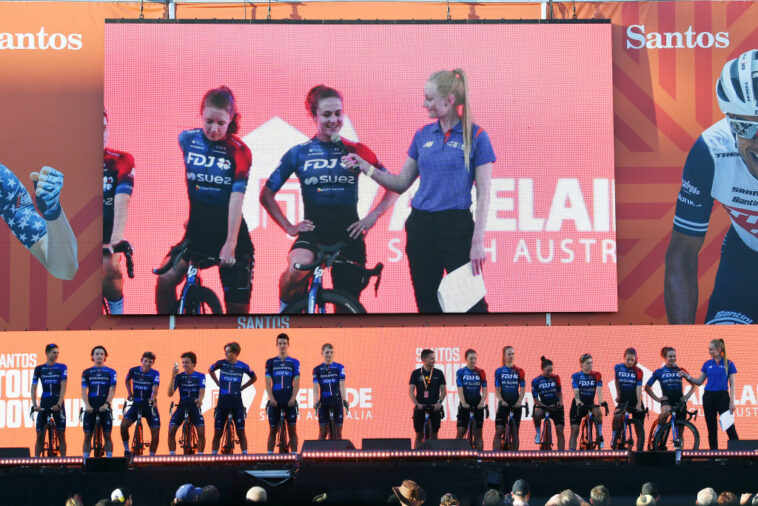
point(48, 184)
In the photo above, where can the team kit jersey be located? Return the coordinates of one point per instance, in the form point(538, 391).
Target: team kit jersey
point(18, 211)
point(282, 374)
point(547, 389)
point(189, 386)
point(715, 171)
point(50, 378)
point(118, 178)
point(471, 381)
point(627, 381)
point(98, 382)
point(671, 382)
point(328, 378)
point(230, 380)
point(143, 383)
point(509, 380)
point(587, 384)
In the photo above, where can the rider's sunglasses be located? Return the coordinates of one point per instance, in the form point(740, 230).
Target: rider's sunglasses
point(743, 128)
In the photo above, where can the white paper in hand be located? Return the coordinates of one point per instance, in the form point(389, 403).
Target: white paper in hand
point(726, 420)
point(460, 290)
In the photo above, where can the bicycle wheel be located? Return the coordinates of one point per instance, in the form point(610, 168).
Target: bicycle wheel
point(187, 436)
point(510, 440)
point(688, 435)
point(547, 436)
point(97, 443)
point(661, 439)
point(228, 447)
point(334, 301)
point(52, 441)
point(283, 443)
point(200, 300)
point(137, 440)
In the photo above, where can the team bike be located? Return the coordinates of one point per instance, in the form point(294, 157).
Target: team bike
point(626, 437)
point(546, 441)
point(188, 437)
point(588, 428)
point(138, 444)
point(331, 427)
point(126, 249)
point(508, 438)
point(98, 435)
point(51, 446)
point(470, 432)
point(683, 433)
point(329, 300)
point(195, 298)
point(426, 433)
point(229, 435)
point(281, 429)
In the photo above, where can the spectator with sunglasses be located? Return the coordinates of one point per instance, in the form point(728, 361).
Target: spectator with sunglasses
point(722, 165)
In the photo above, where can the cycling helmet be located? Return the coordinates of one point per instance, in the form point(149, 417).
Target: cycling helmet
point(737, 86)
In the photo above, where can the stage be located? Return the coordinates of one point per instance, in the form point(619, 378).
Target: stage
point(366, 477)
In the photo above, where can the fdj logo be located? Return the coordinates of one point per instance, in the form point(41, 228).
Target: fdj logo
point(319, 163)
point(208, 161)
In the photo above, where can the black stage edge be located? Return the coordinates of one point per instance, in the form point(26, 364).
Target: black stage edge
point(358, 483)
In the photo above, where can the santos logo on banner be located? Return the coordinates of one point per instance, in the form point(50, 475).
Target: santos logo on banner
point(636, 38)
point(41, 40)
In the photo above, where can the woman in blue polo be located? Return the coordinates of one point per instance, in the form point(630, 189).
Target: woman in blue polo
point(719, 391)
point(449, 156)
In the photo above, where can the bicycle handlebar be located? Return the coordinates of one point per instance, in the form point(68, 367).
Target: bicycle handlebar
point(512, 407)
point(204, 261)
point(603, 404)
point(324, 252)
point(126, 248)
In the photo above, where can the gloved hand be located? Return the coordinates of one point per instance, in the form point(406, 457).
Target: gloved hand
point(48, 184)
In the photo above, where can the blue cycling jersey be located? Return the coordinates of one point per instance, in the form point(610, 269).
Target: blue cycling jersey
point(328, 377)
point(547, 389)
point(230, 377)
point(509, 380)
point(587, 385)
point(143, 383)
point(189, 386)
point(98, 381)
point(282, 374)
point(472, 381)
point(668, 377)
point(17, 209)
point(50, 377)
point(627, 378)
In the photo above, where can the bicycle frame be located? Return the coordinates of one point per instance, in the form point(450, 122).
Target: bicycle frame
point(507, 431)
point(318, 274)
point(191, 280)
point(546, 428)
point(283, 442)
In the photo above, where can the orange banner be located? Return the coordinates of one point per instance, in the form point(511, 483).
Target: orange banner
point(378, 364)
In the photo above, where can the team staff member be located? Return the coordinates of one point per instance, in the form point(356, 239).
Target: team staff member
point(230, 390)
point(671, 385)
point(629, 390)
point(427, 390)
point(217, 163)
point(191, 386)
point(282, 387)
point(472, 392)
point(585, 384)
point(47, 234)
point(510, 388)
point(449, 156)
point(547, 394)
point(330, 198)
point(98, 388)
point(329, 389)
point(142, 390)
point(53, 377)
point(118, 181)
point(719, 391)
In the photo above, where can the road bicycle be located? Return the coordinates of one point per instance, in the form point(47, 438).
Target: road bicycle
point(138, 444)
point(51, 447)
point(626, 438)
point(588, 429)
point(470, 432)
point(195, 298)
point(229, 435)
point(546, 441)
point(508, 438)
point(98, 435)
point(283, 436)
point(684, 434)
point(188, 437)
point(427, 432)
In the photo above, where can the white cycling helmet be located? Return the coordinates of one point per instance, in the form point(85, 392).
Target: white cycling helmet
point(737, 86)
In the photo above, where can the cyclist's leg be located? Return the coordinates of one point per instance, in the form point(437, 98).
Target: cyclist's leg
point(479, 423)
point(88, 425)
point(291, 414)
point(293, 283)
point(347, 277)
point(60, 429)
point(199, 422)
point(154, 422)
point(165, 287)
point(435, 417)
point(598, 423)
point(501, 420)
point(239, 422)
point(516, 426)
point(41, 433)
point(218, 425)
point(177, 418)
point(274, 415)
point(107, 424)
point(575, 417)
point(129, 418)
point(237, 280)
point(113, 283)
point(538, 414)
point(418, 417)
point(338, 420)
point(559, 437)
point(462, 422)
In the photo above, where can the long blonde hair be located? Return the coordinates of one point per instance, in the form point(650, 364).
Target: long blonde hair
point(455, 82)
point(719, 343)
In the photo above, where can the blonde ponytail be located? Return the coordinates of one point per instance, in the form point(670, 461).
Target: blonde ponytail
point(721, 345)
point(455, 82)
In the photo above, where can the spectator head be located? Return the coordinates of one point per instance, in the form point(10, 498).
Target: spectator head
point(323, 498)
point(449, 500)
point(650, 488)
point(74, 500)
point(208, 495)
point(256, 494)
point(707, 497)
point(122, 496)
point(567, 498)
point(520, 490)
point(646, 500)
point(599, 496)
point(187, 493)
point(409, 493)
point(493, 498)
point(728, 499)
point(754, 502)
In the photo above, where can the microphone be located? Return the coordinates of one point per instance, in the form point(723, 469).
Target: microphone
point(337, 140)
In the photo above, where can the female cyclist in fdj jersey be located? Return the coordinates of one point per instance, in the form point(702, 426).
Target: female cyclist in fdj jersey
point(448, 156)
point(472, 392)
point(217, 163)
point(330, 198)
point(629, 390)
point(671, 385)
point(509, 390)
point(585, 384)
point(547, 394)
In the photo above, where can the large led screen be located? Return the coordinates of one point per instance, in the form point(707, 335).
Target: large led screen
point(540, 100)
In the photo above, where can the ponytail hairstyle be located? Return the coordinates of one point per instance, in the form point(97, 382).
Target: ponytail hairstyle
point(631, 351)
point(456, 82)
point(504, 350)
point(665, 351)
point(223, 98)
point(719, 343)
point(316, 95)
point(544, 362)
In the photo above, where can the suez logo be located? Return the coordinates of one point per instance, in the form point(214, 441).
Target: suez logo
point(329, 179)
point(41, 41)
point(636, 38)
point(208, 178)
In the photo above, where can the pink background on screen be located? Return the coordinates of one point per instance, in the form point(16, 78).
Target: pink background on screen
point(542, 92)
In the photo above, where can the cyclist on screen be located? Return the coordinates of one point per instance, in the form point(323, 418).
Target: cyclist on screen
point(585, 384)
point(98, 388)
point(191, 386)
point(282, 387)
point(47, 234)
point(671, 386)
point(142, 389)
point(547, 394)
point(217, 163)
point(329, 390)
point(53, 377)
point(472, 392)
point(118, 181)
point(510, 388)
point(427, 389)
point(629, 389)
point(330, 199)
point(722, 166)
point(230, 386)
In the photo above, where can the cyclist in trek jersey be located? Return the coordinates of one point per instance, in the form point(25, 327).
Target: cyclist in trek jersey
point(282, 386)
point(628, 389)
point(472, 392)
point(586, 383)
point(229, 381)
point(98, 388)
point(118, 181)
point(47, 234)
point(330, 199)
point(53, 377)
point(142, 389)
point(510, 388)
point(329, 390)
point(217, 164)
point(722, 166)
point(547, 395)
point(671, 385)
point(191, 386)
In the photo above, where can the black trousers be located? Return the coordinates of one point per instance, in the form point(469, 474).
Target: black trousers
point(437, 242)
point(715, 403)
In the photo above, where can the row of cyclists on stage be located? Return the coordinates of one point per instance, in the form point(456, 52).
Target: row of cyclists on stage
point(427, 390)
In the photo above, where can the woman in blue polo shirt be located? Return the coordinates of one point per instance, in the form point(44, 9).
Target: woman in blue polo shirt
point(448, 156)
point(719, 391)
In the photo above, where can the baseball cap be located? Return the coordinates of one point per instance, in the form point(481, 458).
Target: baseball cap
point(520, 487)
point(188, 492)
point(120, 495)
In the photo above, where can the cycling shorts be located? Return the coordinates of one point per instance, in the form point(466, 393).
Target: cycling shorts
point(576, 413)
point(501, 417)
point(150, 415)
point(435, 417)
point(193, 413)
point(335, 406)
point(106, 420)
point(632, 407)
point(464, 414)
point(557, 415)
point(672, 398)
point(274, 414)
point(222, 413)
point(58, 416)
point(732, 300)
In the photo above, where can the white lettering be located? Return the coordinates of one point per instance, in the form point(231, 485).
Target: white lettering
point(495, 222)
point(568, 191)
point(392, 245)
point(526, 220)
point(521, 251)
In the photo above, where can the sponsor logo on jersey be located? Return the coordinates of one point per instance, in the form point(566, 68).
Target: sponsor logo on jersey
point(470, 377)
point(311, 180)
point(636, 38)
point(200, 160)
point(330, 179)
point(690, 188)
point(208, 178)
point(107, 183)
point(319, 163)
point(41, 41)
